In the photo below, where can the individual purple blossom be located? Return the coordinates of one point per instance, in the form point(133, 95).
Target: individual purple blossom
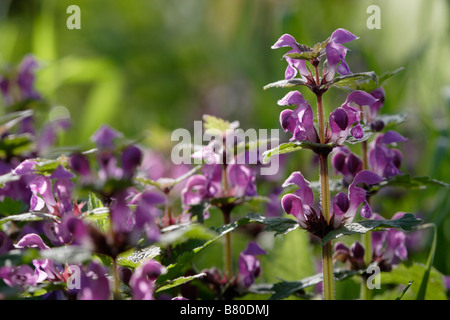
point(147, 213)
point(79, 163)
point(131, 159)
point(63, 188)
point(142, 282)
point(26, 77)
point(294, 65)
point(242, 180)
point(354, 255)
point(104, 137)
point(343, 118)
point(389, 247)
point(346, 163)
point(94, 283)
point(41, 187)
point(336, 53)
point(21, 276)
point(384, 160)
point(300, 121)
point(204, 186)
point(249, 265)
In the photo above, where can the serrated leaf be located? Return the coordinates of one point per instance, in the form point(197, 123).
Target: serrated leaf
point(164, 184)
point(45, 166)
point(371, 84)
point(407, 222)
point(214, 123)
point(183, 232)
point(284, 289)
point(286, 83)
point(352, 79)
point(309, 53)
point(290, 147)
point(179, 281)
point(406, 181)
point(136, 257)
point(390, 120)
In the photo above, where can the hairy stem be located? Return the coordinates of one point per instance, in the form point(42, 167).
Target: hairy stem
point(228, 252)
point(327, 250)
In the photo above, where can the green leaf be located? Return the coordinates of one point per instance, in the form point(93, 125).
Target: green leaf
point(284, 289)
point(309, 53)
point(391, 120)
point(371, 84)
point(286, 83)
point(406, 181)
point(182, 232)
point(179, 281)
point(10, 206)
point(404, 291)
point(352, 79)
point(407, 222)
point(164, 184)
point(214, 123)
point(46, 167)
point(293, 146)
point(367, 133)
point(29, 216)
point(15, 144)
point(279, 225)
point(135, 257)
point(405, 273)
point(426, 274)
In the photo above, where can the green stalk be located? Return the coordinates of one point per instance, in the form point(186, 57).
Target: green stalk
point(327, 250)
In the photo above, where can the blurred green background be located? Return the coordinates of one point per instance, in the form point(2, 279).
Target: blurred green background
point(151, 66)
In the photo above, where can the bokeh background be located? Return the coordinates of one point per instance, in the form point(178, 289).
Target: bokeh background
point(147, 67)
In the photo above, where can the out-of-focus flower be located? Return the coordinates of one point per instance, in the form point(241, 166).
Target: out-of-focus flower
point(94, 283)
point(249, 265)
point(142, 282)
point(105, 136)
point(346, 163)
point(353, 256)
point(384, 160)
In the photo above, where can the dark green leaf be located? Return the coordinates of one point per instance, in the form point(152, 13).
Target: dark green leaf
point(11, 207)
point(178, 281)
point(293, 146)
point(279, 225)
point(352, 79)
point(404, 291)
point(407, 222)
point(391, 120)
point(406, 181)
point(371, 84)
point(286, 83)
point(12, 145)
point(309, 53)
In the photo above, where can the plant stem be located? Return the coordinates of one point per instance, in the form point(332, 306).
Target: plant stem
point(327, 250)
point(116, 293)
point(228, 252)
point(366, 293)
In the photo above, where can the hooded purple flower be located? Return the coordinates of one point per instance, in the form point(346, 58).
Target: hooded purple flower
point(346, 163)
point(21, 276)
point(204, 186)
point(63, 188)
point(353, 255)
point(336, 53)
point(249, 265)
point(142, 282)
point(104, 137)
point(242, 180)
point(147, 213)
point(26, 77)
point(299, 122)
point(383, 160)
point(301, 203)
point(344, 117)
point(94, 283)
point(294, 65)
point(41, 187)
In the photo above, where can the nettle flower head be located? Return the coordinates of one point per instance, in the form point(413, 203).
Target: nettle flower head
point(385, 160)
point(301, 204)
point(343, 121)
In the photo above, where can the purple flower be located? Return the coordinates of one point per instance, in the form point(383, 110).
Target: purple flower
point(21, 276)
point(25, 167)
point(294, 65)
point(299, 122)
point(203, 186)
point(63, 188)
point(147, 213)
point(80, 164)
point(344, 117)
point(131, 159)
point(105, 136)
point(354, 256)
point(242, 180)
point(26, 77)
point(384, 160)
point(336, 53)
point(389, 247)
point(301, 203)
point(94, 283)
point(41, 186)
point(5, 243)
point(346, 163)
point(345, 207)
point(142, 282)
point(249, 265)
